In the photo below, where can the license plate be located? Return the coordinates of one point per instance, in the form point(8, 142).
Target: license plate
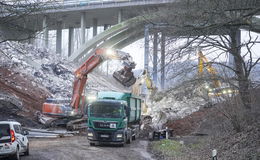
point(104, 136)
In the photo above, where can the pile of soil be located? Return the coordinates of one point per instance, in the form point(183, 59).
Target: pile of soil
point(31, 94)
point(188, 124)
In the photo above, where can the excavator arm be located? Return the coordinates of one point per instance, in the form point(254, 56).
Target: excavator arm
point(144, 78)
point(203, 60)
point(81, 76)
point(218, 88)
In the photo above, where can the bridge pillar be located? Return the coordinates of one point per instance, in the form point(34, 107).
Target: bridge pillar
point(71, 41)
point(45, 32)
point(162, 61)
point(155, 54)
point(237, 38)
point(106, 26)
point(146, 47)
point(58, 37)
point(119, 16)
point(83, 27)
point(95, 24)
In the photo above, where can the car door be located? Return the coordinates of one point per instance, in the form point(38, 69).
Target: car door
point(21, 138)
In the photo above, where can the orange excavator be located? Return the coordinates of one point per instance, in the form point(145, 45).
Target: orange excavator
point(59, 113)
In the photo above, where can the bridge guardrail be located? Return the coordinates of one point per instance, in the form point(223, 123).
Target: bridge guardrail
point(81, 3)
point(63, 4)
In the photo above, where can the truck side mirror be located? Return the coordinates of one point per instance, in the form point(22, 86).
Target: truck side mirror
point(127, 111)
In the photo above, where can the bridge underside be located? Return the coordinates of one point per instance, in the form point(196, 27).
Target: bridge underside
point(125, 33)
point(116, 37)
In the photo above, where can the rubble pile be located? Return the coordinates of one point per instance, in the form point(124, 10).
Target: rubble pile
point(45, 68)
point(48, 70)
point(174, 104)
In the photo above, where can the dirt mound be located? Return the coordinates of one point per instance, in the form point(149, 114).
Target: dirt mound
point(24, 89)
point(188, 124)
point(22, 86)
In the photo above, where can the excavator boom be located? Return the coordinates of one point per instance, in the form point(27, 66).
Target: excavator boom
point(144, 78)
point(203, 60)
point(81, 78)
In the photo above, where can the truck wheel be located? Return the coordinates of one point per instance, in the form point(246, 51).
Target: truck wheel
point(92, 144)
point(125, 141)
point(129, 140)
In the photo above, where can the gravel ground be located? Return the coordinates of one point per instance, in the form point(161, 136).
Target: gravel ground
point(78, 148)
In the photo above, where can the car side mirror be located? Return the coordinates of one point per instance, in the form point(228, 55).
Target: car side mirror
point(25, 132)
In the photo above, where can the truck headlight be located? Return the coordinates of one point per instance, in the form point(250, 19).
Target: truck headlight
point(91, 98)
point(119, 136)
point(90, 134)
point(72, 113)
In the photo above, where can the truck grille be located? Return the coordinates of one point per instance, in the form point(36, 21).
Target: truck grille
point(101, 124)
point(104, 136)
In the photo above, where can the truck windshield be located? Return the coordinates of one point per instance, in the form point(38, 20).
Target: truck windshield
point(105, 110)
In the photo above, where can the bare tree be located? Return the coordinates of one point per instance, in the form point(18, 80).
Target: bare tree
point(214, 25)
point(13, 13)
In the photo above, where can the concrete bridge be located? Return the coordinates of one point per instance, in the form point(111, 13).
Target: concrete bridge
point(122, 26)
point(120, 20)
point(83, 14)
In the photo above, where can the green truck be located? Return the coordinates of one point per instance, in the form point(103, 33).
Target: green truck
point(114, 118)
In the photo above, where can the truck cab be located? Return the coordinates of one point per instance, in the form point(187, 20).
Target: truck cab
point(112, 119)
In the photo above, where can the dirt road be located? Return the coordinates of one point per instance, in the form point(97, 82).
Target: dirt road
point(78, 148)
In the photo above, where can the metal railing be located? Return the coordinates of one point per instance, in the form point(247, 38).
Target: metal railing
point(63, 4)
point(81, 3)
point(93, 2)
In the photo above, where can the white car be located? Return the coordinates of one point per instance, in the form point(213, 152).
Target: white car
point(13, 140)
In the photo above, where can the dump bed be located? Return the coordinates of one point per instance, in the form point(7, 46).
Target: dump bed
point(133, 102)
